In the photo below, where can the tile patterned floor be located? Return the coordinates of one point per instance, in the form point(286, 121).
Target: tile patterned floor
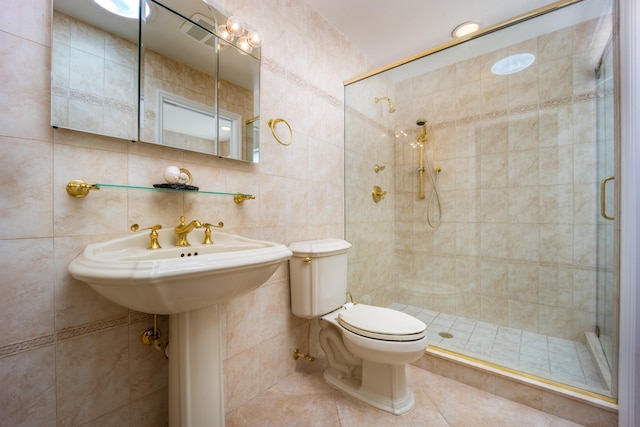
point(304, 399)
point(557, 359)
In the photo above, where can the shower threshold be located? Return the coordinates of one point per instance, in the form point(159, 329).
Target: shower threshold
point(555, 359)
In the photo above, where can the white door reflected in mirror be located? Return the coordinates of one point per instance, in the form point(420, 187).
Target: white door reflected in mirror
point(184, 123)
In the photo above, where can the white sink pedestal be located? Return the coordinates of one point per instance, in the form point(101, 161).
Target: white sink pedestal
point(196, 382)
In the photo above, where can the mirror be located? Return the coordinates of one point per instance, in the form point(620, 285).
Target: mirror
point(94, 70)
point(192, 90)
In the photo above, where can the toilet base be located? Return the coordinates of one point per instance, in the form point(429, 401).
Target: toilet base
point(383, 386)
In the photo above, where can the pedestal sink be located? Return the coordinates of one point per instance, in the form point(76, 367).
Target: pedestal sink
point(188, 283)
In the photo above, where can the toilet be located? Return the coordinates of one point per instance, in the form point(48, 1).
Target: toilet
point(367, 347)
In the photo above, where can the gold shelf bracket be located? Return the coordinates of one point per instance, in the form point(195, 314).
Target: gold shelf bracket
point(78, 188)
point(240, 198)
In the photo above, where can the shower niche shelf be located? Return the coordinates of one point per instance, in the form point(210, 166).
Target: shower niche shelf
point(79, 189)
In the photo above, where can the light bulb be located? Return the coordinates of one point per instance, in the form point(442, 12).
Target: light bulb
point(235, 26)
point(243, 43)
point(224, 34)
point(254, 39)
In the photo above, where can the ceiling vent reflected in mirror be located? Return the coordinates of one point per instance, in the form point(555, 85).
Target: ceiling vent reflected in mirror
point(199, 34)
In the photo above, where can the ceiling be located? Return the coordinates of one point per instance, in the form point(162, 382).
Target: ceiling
point(390, 30)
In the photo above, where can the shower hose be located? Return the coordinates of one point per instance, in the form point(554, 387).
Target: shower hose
point(433, 205)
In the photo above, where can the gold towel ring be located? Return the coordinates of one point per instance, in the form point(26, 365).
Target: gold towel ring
point(273, 123)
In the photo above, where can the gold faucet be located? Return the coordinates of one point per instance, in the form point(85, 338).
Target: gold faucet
point(183, 230)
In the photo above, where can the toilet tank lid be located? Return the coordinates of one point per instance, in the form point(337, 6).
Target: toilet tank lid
point(322, 247)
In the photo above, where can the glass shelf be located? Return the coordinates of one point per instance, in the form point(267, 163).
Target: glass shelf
point(78, 188)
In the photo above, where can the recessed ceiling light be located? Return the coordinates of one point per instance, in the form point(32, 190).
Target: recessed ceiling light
point(125, 8)
point(512, 64)
point(465, 28)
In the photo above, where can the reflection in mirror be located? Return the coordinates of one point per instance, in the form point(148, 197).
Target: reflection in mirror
point(239, 84)
point(213, 85)
point(99, 86)
point(94, 70)
point(177, 75)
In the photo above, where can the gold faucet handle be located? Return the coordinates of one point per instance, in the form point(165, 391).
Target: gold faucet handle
point(153, 236)
point(207, 232)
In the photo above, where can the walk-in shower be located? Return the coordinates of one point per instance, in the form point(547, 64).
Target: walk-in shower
point(521, 271)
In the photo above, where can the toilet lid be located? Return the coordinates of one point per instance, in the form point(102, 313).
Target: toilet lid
point(381, 323)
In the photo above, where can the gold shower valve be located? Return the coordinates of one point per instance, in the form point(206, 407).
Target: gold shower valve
point(378, 194)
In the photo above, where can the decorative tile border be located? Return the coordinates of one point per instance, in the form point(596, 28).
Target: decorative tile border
point(73, 332)
point(29, 344)
point(511, 111)
point(527, 108)
point(299, 81)
point(76, 331)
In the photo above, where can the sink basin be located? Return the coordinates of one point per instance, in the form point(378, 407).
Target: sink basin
point(173, 279)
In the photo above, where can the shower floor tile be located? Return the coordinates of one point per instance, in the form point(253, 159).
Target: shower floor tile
point(556, 359)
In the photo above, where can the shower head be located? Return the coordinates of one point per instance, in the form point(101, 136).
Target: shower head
point(423, 137)
point(392, 108)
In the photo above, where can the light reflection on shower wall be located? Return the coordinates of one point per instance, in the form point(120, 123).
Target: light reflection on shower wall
point(517, 243)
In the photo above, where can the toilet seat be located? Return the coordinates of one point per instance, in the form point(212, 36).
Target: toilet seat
point(381, 323)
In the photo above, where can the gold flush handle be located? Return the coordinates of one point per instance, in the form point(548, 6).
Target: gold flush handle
point(306, 260)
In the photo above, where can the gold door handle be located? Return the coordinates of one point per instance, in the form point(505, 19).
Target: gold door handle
point(603, 197)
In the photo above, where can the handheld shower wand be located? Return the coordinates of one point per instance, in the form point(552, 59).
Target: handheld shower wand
point(423, 137)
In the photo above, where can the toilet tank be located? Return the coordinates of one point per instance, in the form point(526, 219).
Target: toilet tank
point(318, 276)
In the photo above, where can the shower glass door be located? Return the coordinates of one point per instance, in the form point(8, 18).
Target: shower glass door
point(521, 271)
point(606, 309)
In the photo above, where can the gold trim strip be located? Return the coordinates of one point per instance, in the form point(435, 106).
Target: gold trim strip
point(251, 120)
point(499, 26)
point(577, 390)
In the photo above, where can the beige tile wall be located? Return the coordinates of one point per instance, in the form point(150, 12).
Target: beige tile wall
point(68, 356)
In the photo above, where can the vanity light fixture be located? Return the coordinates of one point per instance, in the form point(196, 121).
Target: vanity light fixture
point(465, 28)
point(513, 64)
point(235, 28)
point(125, 8)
